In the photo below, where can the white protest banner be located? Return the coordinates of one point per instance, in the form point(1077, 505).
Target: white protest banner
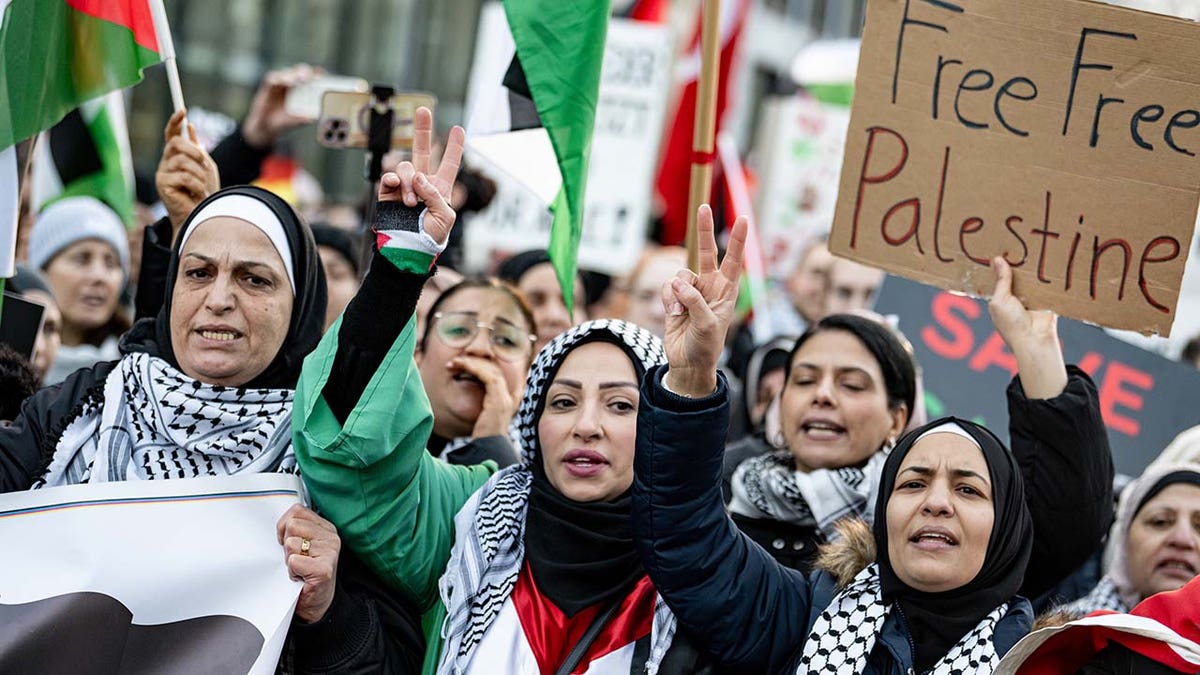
point(635, 81)
point(146, 576)
point(800, 147)
point(1060, 135)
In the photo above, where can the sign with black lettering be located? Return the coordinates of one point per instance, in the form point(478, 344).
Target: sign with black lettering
point(1146, 399)
point(1059, 135)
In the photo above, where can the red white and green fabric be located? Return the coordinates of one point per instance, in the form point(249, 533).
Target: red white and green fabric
point(414, 252)
point(57, 54)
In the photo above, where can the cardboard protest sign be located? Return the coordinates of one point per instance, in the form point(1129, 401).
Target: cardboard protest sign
point(146, 576)
point(1146, 399)
point(1061, 135)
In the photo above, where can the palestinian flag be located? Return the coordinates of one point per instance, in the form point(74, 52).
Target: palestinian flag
point(550, 90)
point(57, 54)
point(87, 153)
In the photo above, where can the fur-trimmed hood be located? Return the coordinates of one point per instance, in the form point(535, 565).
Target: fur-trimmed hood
point(849, 553)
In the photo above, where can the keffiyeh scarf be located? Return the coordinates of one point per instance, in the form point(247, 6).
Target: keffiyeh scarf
point(770, 487)
point(153, 423)
point(844, 635)
point(489, 545)
point(1104, 596)
point(489, 548)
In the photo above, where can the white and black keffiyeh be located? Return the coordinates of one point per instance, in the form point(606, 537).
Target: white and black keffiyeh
point(489, 546)
point(153, 422)
point(770, 487)
point(844, 634)
point(1104, 596)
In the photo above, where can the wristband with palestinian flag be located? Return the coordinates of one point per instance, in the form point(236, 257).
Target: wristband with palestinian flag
point(401, 238)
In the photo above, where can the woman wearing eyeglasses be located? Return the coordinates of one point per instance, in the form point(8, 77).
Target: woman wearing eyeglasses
point(473, 357)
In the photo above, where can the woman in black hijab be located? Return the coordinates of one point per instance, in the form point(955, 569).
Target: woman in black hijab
point(205, 389)
point(937, 621)
point(933, 588)
point(242, 307)
point(305, 322)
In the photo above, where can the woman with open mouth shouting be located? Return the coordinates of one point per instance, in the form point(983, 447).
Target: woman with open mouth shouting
point(932, 586)
point(849, 393)
point(473, 358)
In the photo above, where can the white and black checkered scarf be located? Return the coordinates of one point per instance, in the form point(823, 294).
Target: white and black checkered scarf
point(770, 487)
point(489, 546)
point(844, 634)
point(153, 422)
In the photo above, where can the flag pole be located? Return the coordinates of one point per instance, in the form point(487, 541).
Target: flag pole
point(704, 132)
point(166, 50)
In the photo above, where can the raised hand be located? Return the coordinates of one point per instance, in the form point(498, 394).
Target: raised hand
point(1031, 335)
point(268, 117)
point(411, 183)
point(185, 174)
point(699, 309)
point(499, 405)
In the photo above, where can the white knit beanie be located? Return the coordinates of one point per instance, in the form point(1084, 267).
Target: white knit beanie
point(73, 219)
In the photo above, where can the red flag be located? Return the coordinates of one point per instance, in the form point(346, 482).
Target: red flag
point(654, 11)
point(674, 174)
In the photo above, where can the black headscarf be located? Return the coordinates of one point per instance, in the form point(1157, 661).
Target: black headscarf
point(512, 269)
point(153, 336)
point(937, 621)
point(581, 553)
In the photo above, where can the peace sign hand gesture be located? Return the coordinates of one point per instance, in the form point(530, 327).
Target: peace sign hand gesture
point(411, 183)
point(699, 309)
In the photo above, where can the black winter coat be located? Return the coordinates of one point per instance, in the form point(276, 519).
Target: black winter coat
point(1051, 439)
point(753, 614)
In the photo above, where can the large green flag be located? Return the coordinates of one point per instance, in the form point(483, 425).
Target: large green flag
point(560, 45)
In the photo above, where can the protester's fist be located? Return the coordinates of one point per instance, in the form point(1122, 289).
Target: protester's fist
point(699, 309)
point(311, 546)
point(412, 184)
point(268, 117)
point(186, 174)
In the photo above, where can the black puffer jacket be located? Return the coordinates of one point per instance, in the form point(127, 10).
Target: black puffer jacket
point(730, 597)
point(1051, 439)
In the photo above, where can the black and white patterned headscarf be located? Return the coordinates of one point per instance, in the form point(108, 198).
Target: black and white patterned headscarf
point(154, 423)
point(489, 546)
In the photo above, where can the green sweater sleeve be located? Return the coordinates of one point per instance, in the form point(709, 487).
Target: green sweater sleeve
point(391, 501)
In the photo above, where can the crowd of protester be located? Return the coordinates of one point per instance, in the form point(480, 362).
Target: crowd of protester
point(501, 484)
